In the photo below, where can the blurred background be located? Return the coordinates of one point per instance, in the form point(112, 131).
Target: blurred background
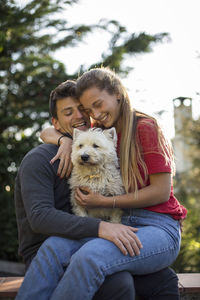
point(154, 46)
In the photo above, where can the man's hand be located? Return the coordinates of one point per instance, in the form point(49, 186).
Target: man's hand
point(122, 236)
point(64, 154)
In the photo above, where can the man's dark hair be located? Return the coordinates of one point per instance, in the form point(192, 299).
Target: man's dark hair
point(63, 90)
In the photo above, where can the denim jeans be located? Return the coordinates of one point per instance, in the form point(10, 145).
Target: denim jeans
point(160, 285)
point(47, 268)
point(87, 262)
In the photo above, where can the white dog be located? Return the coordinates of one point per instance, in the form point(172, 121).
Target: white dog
point(95, 165)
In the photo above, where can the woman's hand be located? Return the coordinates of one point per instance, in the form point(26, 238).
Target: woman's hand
point(122, 236)
point(64, 154)
point(50, 136)
point(86, 198)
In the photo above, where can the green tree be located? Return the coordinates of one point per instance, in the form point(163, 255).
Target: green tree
point(188, 185)
point(29, 36)
point(27, 74)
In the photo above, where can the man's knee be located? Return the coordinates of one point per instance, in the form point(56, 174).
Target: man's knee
point(118, 286)
point(159, 285)
point(123, 280)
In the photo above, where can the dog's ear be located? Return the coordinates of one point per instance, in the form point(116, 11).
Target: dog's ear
point(111, 134)
point(76, 133)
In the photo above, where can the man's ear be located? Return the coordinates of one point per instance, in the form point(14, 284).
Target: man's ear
point(55, 123)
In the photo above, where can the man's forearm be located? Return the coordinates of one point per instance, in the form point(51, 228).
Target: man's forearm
point(53, 222)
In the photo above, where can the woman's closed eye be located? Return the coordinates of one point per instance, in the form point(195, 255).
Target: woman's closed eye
point(98, 104)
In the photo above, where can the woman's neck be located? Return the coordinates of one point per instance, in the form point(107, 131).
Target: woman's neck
point(118, 125)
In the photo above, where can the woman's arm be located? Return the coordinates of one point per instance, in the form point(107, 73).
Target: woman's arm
point(157, 192)
point(51, 136)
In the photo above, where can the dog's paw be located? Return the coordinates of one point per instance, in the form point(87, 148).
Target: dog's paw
point(79, 211)
point(115, 220)
point(116, 216)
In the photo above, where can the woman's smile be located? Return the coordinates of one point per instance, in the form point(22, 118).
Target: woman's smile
point(101, 106)
point(103, 118)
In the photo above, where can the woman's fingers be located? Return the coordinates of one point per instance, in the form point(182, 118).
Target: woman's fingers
point(63, 166)
point(63, 154)
point(52, 161)
point(69, 169)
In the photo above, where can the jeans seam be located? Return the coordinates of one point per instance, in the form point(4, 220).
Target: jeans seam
point(128, 260)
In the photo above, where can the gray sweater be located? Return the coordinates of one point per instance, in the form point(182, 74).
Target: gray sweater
point(42, 202)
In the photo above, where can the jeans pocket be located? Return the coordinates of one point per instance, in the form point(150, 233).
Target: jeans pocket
point(126, 220)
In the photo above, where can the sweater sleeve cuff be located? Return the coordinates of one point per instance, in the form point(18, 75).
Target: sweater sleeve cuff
point(91, 226)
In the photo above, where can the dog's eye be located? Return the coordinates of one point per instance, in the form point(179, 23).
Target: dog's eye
point(95, 146)
point(80, 146)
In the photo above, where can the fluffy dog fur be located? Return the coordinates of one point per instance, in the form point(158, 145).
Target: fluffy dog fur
point(95, 165)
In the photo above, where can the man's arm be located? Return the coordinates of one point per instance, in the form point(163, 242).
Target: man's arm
point(38, 181)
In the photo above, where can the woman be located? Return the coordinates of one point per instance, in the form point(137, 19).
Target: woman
point(146, 162)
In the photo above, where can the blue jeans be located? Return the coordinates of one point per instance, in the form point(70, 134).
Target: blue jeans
point(49, 265)
point(68, 269)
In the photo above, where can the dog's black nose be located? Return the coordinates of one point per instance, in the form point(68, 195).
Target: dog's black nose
point(85, 157)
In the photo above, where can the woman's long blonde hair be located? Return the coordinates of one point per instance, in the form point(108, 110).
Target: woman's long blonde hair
point(131, 155)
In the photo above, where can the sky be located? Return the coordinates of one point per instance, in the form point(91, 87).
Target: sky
point(171, 70)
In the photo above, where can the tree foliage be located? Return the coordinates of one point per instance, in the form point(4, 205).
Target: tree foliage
point(29, 36)
point(188, 185)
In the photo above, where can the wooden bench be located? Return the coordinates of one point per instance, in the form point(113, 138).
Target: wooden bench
point(9, 286)
point(189, 283)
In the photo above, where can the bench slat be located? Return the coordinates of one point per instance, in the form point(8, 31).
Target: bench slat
point(9, 286)
point(188, 283)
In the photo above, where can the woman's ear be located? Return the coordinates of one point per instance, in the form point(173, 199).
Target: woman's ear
point(118, 97)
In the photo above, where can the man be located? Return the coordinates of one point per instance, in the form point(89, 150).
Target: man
point(43, 210)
